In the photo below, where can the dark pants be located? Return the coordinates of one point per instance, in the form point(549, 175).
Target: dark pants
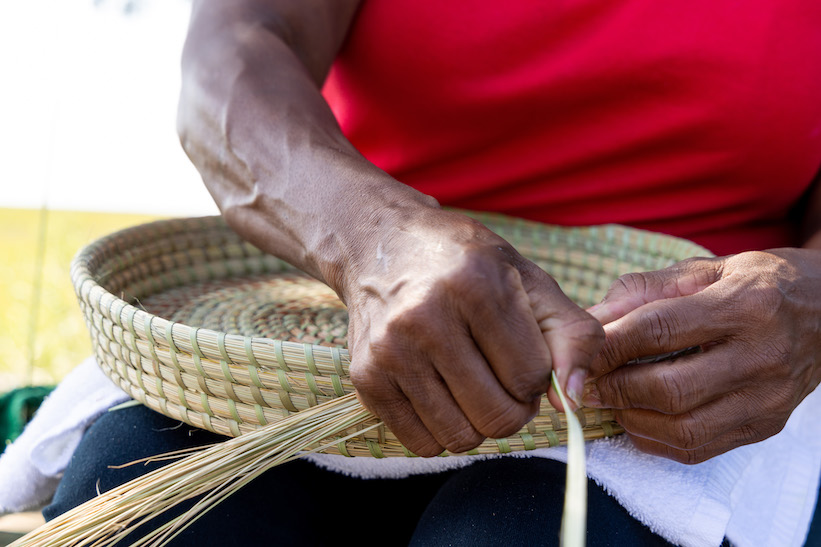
point(508, 501)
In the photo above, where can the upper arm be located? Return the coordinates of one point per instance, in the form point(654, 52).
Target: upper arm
point(314, 30)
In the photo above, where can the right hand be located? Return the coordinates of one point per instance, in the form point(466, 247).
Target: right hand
point(453, 334)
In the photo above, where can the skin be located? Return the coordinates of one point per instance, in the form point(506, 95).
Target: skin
point(757, 316)
point(452, 333)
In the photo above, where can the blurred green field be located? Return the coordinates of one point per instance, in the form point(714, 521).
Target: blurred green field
point(60, 337)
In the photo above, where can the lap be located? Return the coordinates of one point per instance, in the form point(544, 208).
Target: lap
point(293, 504)
point(515, 501)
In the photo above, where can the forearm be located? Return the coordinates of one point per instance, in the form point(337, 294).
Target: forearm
point(254, 123)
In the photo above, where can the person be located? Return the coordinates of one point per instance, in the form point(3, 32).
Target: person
point(332, 133)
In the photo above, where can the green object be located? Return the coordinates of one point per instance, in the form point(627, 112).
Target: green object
point(16, 409)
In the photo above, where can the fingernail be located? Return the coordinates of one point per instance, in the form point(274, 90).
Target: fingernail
point(591, 396)
point(575, 386)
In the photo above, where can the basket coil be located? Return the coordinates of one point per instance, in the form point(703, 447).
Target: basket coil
point(205, 328)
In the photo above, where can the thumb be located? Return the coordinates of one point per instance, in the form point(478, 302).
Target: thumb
point(633, 290)
point(573, 337)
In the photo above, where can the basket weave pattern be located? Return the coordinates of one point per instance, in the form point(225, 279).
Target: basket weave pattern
point(205, 328)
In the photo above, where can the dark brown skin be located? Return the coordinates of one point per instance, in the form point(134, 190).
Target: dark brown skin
point(758, 317)
point(453, 334)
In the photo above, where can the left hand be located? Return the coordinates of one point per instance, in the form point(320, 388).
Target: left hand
point(757, 315)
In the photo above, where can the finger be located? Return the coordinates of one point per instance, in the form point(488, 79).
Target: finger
point(381, 395)
point(665, 326)
point(506, 332)
point(633, 290)
point(573, 336)
point(489, 407)
point(746, 434)
point(405, 387)
point(449, 382)
point(573, 345)
point(695, 428)
point(434, 404)
point(671, 387)
point(393, 408)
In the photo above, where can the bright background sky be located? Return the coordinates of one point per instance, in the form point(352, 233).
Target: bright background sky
point(88, 98)
point(87, 108)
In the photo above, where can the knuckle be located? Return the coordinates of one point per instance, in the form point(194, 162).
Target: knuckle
point(403, 324)
point(472, 267)
point(660, 326)
point(750, 433)
point(760, 430)
point(502, 421)
point(783, 400)
point(426, 450)
point(589, 330)
point(500, 282)
point(406, 425)
point(631, 283)
point(614, 391)
point(424, 445)
point(363, 376)
point(762, 259)
point(402, 340)
point(365, 364)
point(694, 273)
point(611, 356)
point(689, 432)
point(510, 276)
point(779, 357)
point(458, 438)
point(686, 457)
point(585, 333)
point(691, 457)
point(527, 385)
point(677, 390)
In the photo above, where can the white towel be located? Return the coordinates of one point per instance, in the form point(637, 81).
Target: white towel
point(757, 495)
point(31, 467)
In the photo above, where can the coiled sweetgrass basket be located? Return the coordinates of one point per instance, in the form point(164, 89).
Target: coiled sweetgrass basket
point(205, 328)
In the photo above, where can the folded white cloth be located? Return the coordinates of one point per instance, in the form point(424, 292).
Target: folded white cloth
point(757, 495)
point(31, 467)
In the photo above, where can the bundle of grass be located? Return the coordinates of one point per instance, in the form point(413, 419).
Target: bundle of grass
point(217, 471)
point(213, 472)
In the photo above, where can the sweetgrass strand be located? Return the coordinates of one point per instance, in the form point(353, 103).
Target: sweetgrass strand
point(215, 472)
point(574, 514)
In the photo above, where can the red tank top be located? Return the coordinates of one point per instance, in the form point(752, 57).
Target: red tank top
point(697, 118)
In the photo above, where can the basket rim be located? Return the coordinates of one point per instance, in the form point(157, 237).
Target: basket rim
point(191, 337)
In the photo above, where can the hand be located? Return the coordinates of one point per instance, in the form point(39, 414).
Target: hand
point(453, 334)
point(757, 316)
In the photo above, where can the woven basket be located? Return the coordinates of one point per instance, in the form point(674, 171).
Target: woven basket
point(197, 324)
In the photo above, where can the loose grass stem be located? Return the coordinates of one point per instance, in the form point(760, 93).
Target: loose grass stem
point(574, 514)
point(214, 472)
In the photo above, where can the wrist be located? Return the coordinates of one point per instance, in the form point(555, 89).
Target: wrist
point(362, 241)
